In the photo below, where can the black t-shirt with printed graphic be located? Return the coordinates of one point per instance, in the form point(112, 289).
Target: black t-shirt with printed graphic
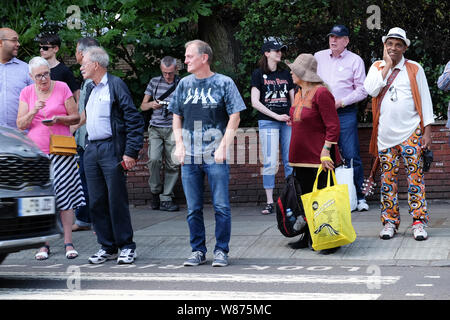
point(274, 88)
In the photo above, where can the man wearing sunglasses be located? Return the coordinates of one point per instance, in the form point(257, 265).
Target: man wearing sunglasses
point(49, 45)
point(14, 76)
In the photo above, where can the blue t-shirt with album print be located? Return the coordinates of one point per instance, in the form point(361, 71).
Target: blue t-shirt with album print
point(205, 105)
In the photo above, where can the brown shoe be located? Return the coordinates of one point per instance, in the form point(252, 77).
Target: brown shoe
point(76, 227)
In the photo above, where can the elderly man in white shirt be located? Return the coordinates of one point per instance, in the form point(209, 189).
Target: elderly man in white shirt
point(402, 112)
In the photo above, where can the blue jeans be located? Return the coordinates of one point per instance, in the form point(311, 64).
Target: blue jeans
point(349, 145)
point(272, 136)
point(192, 177)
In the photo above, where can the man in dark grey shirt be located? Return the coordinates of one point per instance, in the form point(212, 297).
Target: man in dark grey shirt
point(161, 144)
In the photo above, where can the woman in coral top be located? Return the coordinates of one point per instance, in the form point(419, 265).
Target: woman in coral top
point(52, 101)
point(315, 128)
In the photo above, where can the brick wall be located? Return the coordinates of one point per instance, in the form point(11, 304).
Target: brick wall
point(246, 181)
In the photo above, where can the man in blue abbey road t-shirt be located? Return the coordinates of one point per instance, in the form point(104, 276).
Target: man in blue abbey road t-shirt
point(206, 113)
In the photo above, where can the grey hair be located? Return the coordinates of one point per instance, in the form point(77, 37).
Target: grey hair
point(86, 42)
point(202, 48)
point(168, 61)
point(98, 54)
point(37, 62)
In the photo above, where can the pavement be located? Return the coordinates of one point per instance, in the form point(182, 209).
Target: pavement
point(164, 236)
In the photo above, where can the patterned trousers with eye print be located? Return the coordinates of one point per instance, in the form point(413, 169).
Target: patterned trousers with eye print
point(411, 153)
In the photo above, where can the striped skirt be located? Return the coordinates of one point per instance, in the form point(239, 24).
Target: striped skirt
point(66, 182)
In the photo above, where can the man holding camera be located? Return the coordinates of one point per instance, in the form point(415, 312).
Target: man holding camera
point(157, 96)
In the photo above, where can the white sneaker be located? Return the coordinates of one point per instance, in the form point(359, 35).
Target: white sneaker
point(362, 205)
point(388, 231)
point(101, 256)
point(419, 231)
point(127, 256)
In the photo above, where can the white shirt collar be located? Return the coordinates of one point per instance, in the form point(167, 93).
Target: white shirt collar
point(104, 80)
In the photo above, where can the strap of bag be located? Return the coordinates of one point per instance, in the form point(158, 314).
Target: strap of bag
point(319, 171)
point(386, 88)
point(170, 90)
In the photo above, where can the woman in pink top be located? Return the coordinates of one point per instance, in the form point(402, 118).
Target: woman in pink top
point(53, 101)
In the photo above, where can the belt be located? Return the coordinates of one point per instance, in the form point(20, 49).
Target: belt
point(101, 140)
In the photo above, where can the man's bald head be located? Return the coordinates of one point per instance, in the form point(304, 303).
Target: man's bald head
point(9, 44)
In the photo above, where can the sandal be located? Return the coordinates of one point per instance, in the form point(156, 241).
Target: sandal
point(268, 209)
point(42, 255)
point(71, 254)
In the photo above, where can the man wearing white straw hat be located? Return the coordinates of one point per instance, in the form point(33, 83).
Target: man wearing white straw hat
point(402, 113)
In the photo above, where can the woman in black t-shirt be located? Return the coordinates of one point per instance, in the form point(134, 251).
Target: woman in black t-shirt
point(271, 94)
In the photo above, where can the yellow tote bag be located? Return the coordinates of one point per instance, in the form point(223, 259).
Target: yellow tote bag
point(328, 214)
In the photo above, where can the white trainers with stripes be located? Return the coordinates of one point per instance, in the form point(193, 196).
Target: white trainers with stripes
point(419, 231)
point(127, 256)
point(388, 231)
point(102, 256)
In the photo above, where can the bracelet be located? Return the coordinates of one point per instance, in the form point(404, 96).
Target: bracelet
point(322, 159)
point(327, 148)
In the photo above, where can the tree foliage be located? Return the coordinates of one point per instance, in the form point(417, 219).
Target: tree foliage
point(140, 32)
point(303, 25)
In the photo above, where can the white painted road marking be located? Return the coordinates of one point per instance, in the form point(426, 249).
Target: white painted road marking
point(211, 278)
point(58, 294)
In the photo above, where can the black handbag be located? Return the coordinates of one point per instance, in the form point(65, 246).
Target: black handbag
point(427, 155)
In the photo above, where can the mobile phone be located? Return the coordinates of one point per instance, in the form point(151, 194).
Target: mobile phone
point(47, 121)
point(124, 166)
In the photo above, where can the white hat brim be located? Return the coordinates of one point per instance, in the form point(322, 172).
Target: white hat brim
point(407, 41)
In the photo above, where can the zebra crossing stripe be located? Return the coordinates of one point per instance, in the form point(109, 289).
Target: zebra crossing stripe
point(212, 278)
point(113, 294)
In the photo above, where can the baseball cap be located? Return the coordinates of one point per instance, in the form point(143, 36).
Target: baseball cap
point(273, 45)
point(339, 30)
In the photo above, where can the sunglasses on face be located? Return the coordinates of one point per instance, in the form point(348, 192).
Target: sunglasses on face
point(45, 48)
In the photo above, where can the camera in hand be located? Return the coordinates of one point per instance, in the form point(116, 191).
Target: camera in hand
point(165, 110)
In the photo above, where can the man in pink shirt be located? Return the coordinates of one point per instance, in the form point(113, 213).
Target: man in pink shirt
point(344, 74)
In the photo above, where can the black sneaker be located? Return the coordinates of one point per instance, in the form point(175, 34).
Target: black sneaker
point(168, 206)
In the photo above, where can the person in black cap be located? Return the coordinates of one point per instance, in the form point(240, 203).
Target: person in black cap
point(344, 73)
point(272, 92)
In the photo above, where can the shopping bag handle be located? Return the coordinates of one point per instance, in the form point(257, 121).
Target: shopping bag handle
point(328, 178)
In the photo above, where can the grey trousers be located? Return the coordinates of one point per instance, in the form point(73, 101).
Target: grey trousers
point(161, 145)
